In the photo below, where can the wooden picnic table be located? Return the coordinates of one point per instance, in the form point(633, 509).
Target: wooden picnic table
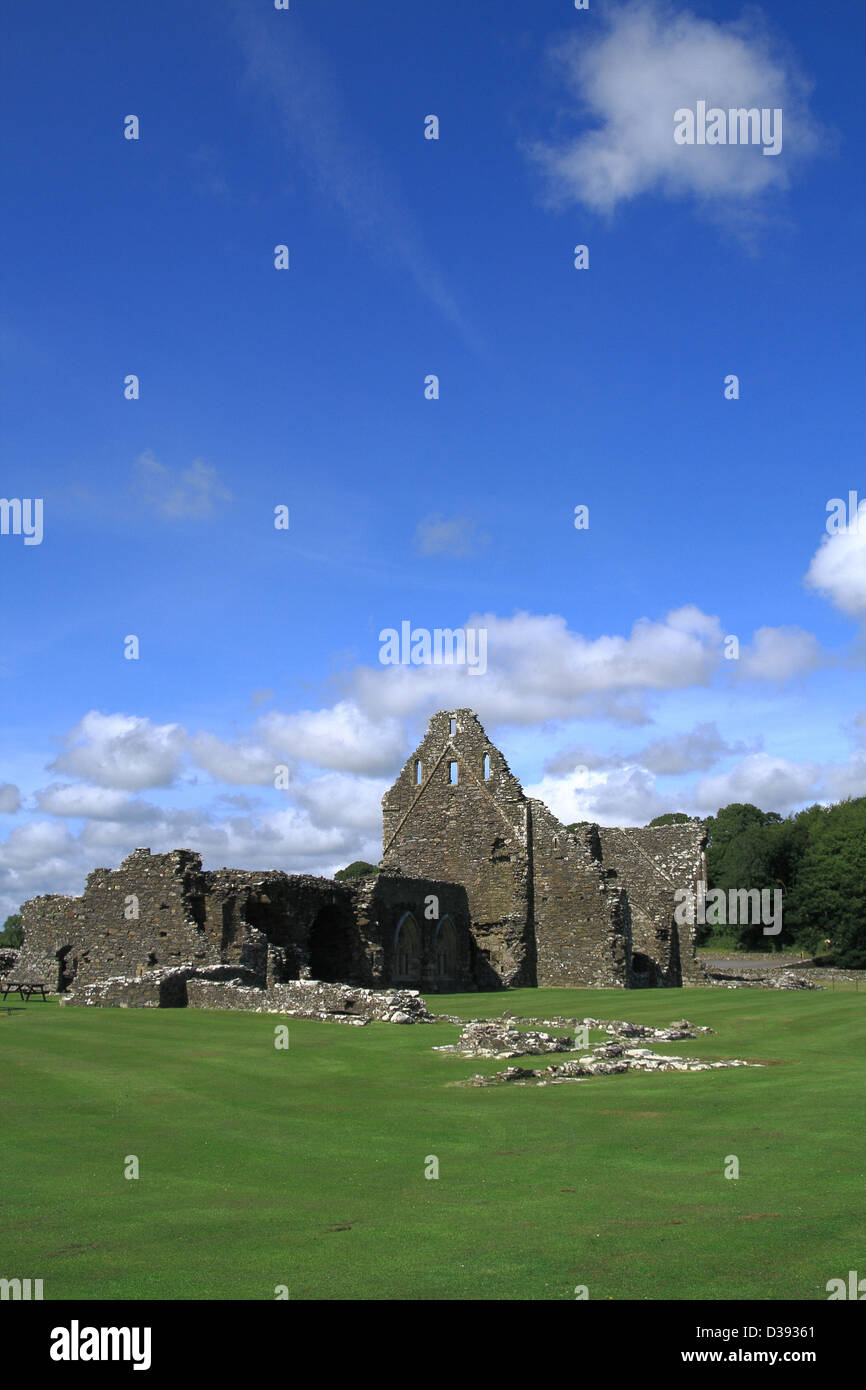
point(25, 988)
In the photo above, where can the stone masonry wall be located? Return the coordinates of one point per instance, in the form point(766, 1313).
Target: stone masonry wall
point(272, 922)
point(582, 919)
point(475, 833)
point(99, 935)
point(481, 887)
point(381, 907)
point(161, 911)
point(652, 863)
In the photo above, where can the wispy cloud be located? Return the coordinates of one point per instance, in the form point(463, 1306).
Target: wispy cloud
point(178, 494)
point(325, 140)
point(457, 536)
point(698, 750)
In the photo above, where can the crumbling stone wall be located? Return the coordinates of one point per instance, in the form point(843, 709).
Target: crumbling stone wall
point(474, 832)
point(146, 914)
point(548, 906)
point(582, 919)
point(312, 999)
point(227, 987)
point(652, 863)
point(161, 911)
point(481, 886)
point(8, 961)
point(387, 904)
point(273, 923)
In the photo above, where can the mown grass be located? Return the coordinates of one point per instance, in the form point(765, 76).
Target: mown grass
point(305, 1167)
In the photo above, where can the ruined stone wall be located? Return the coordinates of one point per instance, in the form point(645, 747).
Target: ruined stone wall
point(481, 887)
point(8, 961)
point(582, 919)
point(146, 914)
point(474, 833)
point(381, 907)
point(53, 924)
point(312, 999)
point(652, 863)
point(169, 930)
point(226, 987)
point(161, 911)
point(277, 923)
point(162, 989)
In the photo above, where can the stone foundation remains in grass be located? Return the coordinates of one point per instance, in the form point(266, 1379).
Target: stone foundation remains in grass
point(609, 1060)
point(224, 987)
point(501, 1040)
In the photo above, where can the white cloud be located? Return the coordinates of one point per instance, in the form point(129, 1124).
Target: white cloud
point(91, 803)
point(126, 752)
point(650, 60)
point(355, 801)
point(244, 764)
point(571, 759)
point(692, 752)
point(538, 670)
point(343, 738)
point(773, 784)
point(10, 799)
point(40, 857)
point(838, 570)
point(32, 843)
point(778, 653)
point(624, 797)
point(849, 779)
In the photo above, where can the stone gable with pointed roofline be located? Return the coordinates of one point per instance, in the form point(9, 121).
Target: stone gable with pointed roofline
point(549, 906)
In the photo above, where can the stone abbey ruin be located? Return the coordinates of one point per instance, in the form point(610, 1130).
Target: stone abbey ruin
point(480, 887)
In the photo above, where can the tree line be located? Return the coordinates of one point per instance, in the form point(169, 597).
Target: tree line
point(817, 857)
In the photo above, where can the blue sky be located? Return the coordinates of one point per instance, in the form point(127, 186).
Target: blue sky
point(606, 685)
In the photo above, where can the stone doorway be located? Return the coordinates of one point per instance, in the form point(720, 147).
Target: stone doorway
point(331, 946)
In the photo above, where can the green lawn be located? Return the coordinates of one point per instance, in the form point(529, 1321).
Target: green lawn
point(305, 1167)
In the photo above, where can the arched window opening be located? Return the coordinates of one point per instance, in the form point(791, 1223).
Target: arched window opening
point(407, 951)
point(446, 950)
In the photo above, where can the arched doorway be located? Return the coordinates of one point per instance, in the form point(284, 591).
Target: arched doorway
point(643, 970)
point(331, 953)
point(445, 948)
point(407, 952)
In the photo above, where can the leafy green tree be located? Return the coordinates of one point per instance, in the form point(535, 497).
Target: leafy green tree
point(359, 869)
point(817, 857)
point(671, 818)
point(12, 933)
point(828, 903)
point(745, 850)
